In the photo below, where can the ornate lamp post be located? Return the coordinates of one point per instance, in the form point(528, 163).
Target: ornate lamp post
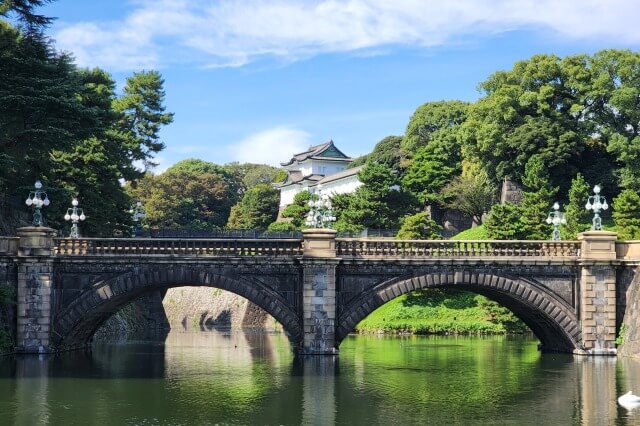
point(74, 214)
point(137, 214)
point(321, 213)
point(556, 218)
point(37, 199)
point(596, 202)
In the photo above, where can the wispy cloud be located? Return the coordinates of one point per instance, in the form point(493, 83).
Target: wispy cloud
point(233, 33)
point(271, 146)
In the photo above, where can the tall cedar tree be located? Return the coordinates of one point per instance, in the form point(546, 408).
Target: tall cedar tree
point(626, 214)
point(536, 200)
point(40, 110)
point(578, 218)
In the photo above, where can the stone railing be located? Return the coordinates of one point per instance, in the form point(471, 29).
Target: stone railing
point(9, 246)
point(177, 247)
point(347, 247)
point(628, 250)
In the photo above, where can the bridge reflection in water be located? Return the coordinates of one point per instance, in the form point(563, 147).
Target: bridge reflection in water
point(252, 378)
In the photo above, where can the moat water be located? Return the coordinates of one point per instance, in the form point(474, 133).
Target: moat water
point(252, 378)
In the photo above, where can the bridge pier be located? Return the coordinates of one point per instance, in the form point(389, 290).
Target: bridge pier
point(35, 279)
point(598, 293)
point(319, 264)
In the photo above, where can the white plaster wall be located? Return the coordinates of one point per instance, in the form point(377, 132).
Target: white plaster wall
point(327, 168)
point(342, 186)
point(306, 168)
point(287, 194)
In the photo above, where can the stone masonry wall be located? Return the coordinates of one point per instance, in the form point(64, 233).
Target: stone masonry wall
point(141, 319)
point(631, 318)
point(208, 307)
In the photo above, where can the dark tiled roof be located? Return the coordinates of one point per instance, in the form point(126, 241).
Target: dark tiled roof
point(316, 152)
point(297, 178)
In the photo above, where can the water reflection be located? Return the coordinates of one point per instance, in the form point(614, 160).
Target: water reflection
point(252, 378)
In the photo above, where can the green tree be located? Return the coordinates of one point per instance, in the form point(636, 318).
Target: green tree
point(387, 152)
point(184, 199)
point(626, 214)
point(471, 195)
point(143, 114)
point(92, 168)
point(257, 209)
point(578, 218)
point(537, 200)
point(197, 166)
point(249, 175)
point(419, 227)
point(536, 108)
point(612, 102)
point(24, 11)
point(40, 110)
point(503, 222)
point(298, 210)
point(432, 144)
point(281, 226)
point(430, 121)
point(378, 203)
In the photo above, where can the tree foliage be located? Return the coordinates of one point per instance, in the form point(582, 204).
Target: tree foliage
point(387, 151)
point(142, 114)
point(539, 107)
point(419, 227)
point(378, 203)
point(503, 222)
point(432, 121)
point(297, 211)
point(257, 209)
point(432, 145)
point(281, 226)
point(471, 195)
point(536, 200)
point(24, 10)
point(626, 214)
point(578, 218)
point(180, 198)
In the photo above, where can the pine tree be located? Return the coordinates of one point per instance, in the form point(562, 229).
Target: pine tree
point(143, 114)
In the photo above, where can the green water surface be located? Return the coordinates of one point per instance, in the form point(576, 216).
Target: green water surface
point(252, 378)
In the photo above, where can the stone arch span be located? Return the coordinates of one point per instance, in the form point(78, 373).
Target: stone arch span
point(76, 324)
point(550, 318)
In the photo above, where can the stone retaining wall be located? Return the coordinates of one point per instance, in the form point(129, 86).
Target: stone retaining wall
point(208, 307)
point(631, 319)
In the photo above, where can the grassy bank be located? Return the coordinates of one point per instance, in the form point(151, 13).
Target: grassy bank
point(441, 311)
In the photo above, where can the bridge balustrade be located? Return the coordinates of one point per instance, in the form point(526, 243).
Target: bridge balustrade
point(348, 247)
point(9, 246)
point(177, 247)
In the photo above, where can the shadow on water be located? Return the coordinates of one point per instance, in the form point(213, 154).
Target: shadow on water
point(252, 377)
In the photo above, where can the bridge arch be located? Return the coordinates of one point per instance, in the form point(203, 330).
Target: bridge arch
point(550, 318)
point(76, 324)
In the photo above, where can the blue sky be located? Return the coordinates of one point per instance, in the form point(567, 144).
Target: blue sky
point(257, 80)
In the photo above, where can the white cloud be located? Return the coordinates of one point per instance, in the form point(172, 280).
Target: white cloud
point(271, 146)
point(215, 33)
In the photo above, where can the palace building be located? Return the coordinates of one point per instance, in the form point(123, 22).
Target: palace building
point(322, 168)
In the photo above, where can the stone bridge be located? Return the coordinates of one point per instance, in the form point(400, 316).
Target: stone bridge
point(570, 293)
